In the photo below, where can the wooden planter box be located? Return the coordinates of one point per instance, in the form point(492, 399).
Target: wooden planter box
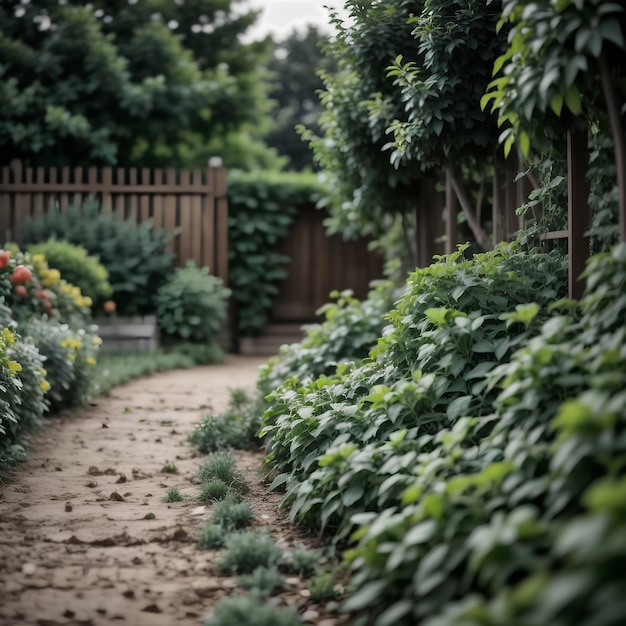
point(126, 334)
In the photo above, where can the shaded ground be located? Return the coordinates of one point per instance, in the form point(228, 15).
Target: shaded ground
point(75, 548)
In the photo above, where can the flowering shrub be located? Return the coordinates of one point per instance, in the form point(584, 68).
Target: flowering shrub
point(49, 364)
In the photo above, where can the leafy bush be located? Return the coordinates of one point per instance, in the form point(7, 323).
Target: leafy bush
point(479, 452)
point(136, 257)
point(221, 466)
point(231, 514)
point(76, 267)
point(248, 550)
point(250, 611)
point(70, 360)
point(263, 582)
point(23, 386)
point(236, 428)
point(173, 495)
point(261, 210)
point(322, 586)
point(350, 330)
point(213, 490)
point(191, 305)
point(212, 536)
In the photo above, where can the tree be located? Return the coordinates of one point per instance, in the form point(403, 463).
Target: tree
point(295, 82)
point(564, 68)
point(115, 82)
point(443, 127)
point(367, 189)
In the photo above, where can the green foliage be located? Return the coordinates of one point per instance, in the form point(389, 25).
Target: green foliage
point(212, 536)
point(23, 386)
point(482, 469)
point(248, 550)
point(548, 76)
point(231, 514)
point(213, 490)
point(294, 84)
point(76, 267)
point(115, 369)
point(263, 582)
point(191, 305)
point(442, 121)
point(148, 83)
point(135, 256)
point(221, 466)
point(349, 332)
point(70, 360)
point(250, 611)
point(322, 586)
point(169, 468)
point(173, 495)
point(359, 103)
point(261, 206)
point(302, 561)
point(236, 428)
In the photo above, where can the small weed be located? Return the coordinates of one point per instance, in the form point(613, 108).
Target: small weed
point(322, 586)
point(169, 468)
point(231, 515)
point(127, 409)
point(213, 490)
point(166, 422)
point(238, 399)
point(250, 611)
point(248, 550)
point(221, 466)
point(212, 536)
point(303, 561)
point(149, 516)
point(173, 495)
point(264, 581)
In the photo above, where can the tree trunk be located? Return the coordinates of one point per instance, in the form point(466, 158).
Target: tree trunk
point(617, 130)
point(459, 189)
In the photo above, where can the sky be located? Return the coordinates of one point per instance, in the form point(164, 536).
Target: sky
point(280, 17)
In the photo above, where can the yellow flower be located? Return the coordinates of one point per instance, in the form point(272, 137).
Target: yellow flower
point(39, 258)
point(72, 356)
point(87, 301)
point(97, 341)
point(14, 366)
point(45, 386)
point(54, 275)
point(90, 360)
point(8, 337)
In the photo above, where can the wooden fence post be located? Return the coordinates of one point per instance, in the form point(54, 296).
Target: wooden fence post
point(577, 209)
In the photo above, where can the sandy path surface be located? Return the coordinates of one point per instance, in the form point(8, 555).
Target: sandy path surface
point(75, 547)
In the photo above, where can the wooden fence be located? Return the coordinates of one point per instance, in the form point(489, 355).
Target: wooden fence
point(192, 200)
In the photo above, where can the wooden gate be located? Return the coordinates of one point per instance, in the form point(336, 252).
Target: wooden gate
point(320, 264)
point(193, 200)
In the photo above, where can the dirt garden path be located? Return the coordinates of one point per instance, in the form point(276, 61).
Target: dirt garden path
point(75, 548)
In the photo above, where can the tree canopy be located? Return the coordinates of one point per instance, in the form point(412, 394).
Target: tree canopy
point(121, 81)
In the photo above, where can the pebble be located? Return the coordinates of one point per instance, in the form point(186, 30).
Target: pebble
point(310, 616)
point(28, 569)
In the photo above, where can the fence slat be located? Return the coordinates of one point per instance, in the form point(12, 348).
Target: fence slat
point(192, 201)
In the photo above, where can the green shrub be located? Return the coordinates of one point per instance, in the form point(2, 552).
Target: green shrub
point(263, 582)
point(221, 466)
point(231, 515)
point(173, 495)
point(23, 386)
point(250, 611)
point(70, 360)
point(77, 268)
point(236, 428)
point(212, 536)
point(191, 305)
point(322, 587)
point(479, 453)
point(350, 330)
point(248, 550)
point(302, 561)
point(213, 490)
point(136, 257)
point(261, 210)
